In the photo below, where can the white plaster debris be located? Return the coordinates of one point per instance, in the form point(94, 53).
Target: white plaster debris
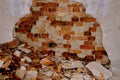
point(1, 63)
point(23, 68)
point(98, 70)
point(77, 76)
point(17, 53)
point(24, 49)
point(31, 75)
point(72, 64)
point(20, 73)
point(28, 59)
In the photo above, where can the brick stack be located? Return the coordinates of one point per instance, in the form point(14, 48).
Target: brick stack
point(61, 29)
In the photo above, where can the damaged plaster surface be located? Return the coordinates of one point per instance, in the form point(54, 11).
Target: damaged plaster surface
point(106, 11)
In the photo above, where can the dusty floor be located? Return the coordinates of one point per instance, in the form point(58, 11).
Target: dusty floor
point(106, 11)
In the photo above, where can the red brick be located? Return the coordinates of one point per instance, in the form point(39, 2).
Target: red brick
point(100, 48)
point(92, 29)
point(78, 23)
point(98, 56)
point(83, 9)
point(91, 38)
point(51, 4)
point(45, 35)
point(22, 30)
point(67, 37)
point(50, 18)
point(87, 19)
point(25, 26)
point(65, 54)
point(67, 46)
point(76, 9)
point(52, 9)
point(44, 44)
point(89, 58)
point(87, 47)
point(99, 52)
point(40, 4)
point(79, 38)
point(74, 18)
point(44, 9)
point(87, 33)
point(96, 24)
point(88, 43)
point(75, 5)
point(30, 35)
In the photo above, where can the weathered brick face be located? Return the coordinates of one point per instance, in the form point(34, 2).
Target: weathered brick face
point(64, 23)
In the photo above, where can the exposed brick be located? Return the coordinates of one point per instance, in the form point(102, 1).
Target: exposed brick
point(57, 23)
point(31, 9)
point(91, 38)
point(51, 4)
point(92, 29)
point(25, 26)
point(67, 28)
point(35, 18)
point(52, 9)
point(74, 51)
point(69, 23)
point(44, 9)
point(36, 15)
point(89, 58)
point(87, 33)
point(40, 4)
point(44, 52)
point(87, 19)
point(75, 5)
point(51, 53)
point(66, 54)
point(30, 35)
point(45, 35)
point(96, 24)
point(88, 43)
point(62, 23)
point(45, 44)
point(100, 48)
point(74, 18)
point(51, 14)
point(24, 19)
point(22, 30)
point(78, 23)
point(73, 55)
point(50, 18)
point(67, 37)
point(37, 35)
point(61, 0)
point(99, 52)
point(79, 37)
point(52, 44)
point(80, 15)
point(98, 56)
point(67, 46)
point(28, 22)
point(76, 9)
point(83, 9)
point(67, 32)
point(87, 47)
point(81, 34)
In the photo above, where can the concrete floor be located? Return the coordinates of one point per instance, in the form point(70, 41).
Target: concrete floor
point(106, 11)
